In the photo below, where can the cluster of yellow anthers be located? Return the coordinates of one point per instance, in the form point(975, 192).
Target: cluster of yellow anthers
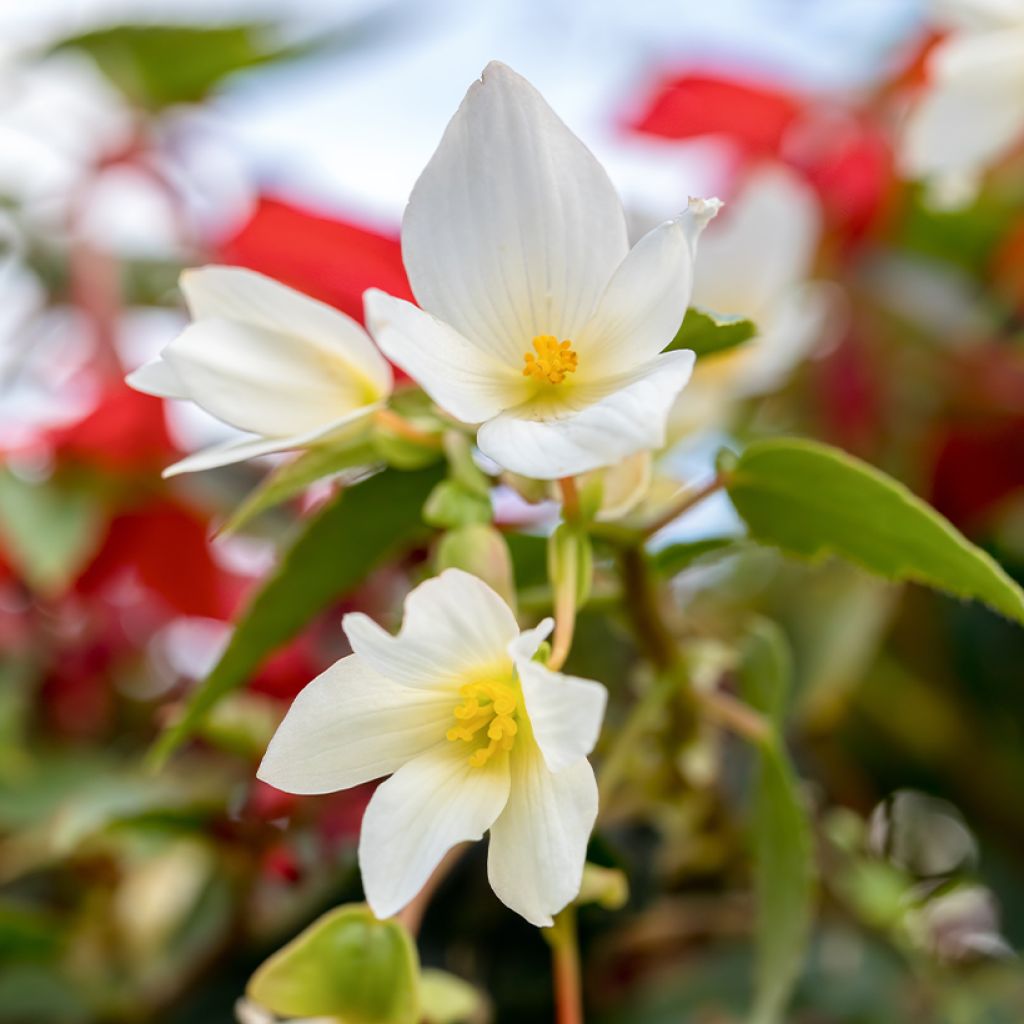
point(552, 361)
point(486, 704)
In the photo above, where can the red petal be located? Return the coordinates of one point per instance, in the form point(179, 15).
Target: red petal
point(332, 260)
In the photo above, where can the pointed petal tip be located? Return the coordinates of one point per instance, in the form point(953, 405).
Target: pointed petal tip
point(704, 210)
point(497, 69)
point(134, 381)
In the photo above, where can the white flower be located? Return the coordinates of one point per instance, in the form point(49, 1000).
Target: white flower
point(755, 263)
point(537, 320)
point(268, 360)
point(477, 735)
point(972, 113)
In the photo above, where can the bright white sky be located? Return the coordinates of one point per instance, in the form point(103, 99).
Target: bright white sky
point(352, 129)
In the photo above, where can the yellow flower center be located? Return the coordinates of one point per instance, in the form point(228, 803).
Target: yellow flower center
point(552, 361)
point(490, 706)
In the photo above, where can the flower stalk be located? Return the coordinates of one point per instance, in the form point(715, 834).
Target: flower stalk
point(565, 956)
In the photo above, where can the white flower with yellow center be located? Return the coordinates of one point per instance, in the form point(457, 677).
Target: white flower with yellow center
point(475, 735)
point(972, 113)
point(268, 360)
point(537, 320)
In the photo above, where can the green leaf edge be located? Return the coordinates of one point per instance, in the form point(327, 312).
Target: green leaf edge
point(1014, 610)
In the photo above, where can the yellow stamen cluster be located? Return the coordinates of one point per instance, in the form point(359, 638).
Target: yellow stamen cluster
point(553, 360)
point(486, 704)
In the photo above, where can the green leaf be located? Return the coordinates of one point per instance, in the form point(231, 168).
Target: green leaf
point(47, 530)
point(294, 477)
point(812, 500)
point(363, 527)
point(783, 853)
point(707, 333)
point(965, 236)
point(155, 66)
point(674, 558)
point(446, 999)
point(347, 965)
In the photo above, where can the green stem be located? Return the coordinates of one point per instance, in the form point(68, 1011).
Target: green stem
point(642, 604)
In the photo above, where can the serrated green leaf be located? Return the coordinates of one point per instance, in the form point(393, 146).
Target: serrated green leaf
point(47, 530)
point(155, 66)
point(707, 333)
point(781, 835)
point(813, 500)
point(347, 965)
point(294, 477)
point(366, 524)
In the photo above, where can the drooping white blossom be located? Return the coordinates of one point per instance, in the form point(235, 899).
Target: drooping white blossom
point(537, 319)
point(267, 360)
point(972, 112)
point(476, 736)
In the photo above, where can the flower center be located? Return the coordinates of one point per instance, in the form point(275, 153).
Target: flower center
point(553, 359)
point(490, 706)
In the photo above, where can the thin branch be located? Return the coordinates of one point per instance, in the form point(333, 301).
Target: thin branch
point(689, 498)
point(741, 718)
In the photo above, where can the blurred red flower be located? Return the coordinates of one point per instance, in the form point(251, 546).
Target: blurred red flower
point(333, 260)
point(687, 106)
point(841, 152)
point(126, 432)
point(162, 545)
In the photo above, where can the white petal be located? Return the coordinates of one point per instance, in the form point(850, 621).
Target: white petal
point(539, 844)
point(980, 13)
point(513, 229)
point(467, 381)
point(763, 244)
point(157, 378)
point(263, 382)
point(526, 644)
point(974, 110)
point(351, 725)
point(789, 332)
point(646, 299)
point(628, 418)
point(454, 626)
point(565, 712)
point(229, 452)
point(428, 806)
point(245, 296)
point(624, 485)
